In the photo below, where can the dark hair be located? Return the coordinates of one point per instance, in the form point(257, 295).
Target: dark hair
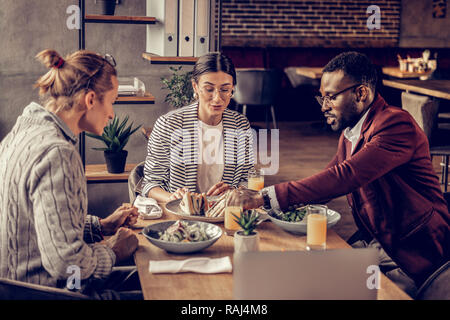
point(213, 62)
point(355, 65)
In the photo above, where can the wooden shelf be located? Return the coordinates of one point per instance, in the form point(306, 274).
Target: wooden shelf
point(96, 18)
point(97, 173)
point(154, 59)
point(148, 98)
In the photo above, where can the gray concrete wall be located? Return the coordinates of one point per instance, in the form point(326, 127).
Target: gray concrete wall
point(27, 27)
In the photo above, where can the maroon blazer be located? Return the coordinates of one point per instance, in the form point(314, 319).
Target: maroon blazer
point(392, 188)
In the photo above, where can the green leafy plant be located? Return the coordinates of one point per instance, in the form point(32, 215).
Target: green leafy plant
point(115, 136)
point(180, 87)
point(248, 220)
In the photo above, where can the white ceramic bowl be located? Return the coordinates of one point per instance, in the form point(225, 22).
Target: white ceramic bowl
point(151, 233)
point(300, 227)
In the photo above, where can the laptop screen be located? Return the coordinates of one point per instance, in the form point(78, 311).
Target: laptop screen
point(314, 275)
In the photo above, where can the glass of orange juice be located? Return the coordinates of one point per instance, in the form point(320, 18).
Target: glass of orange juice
point(316, 227)
point(233, 205)
point(256, 179)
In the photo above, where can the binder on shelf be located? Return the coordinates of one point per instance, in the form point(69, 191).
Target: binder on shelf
point(186, 26)
point(162, 37)
point(201, 29)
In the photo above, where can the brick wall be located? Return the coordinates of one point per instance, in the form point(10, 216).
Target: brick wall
point(308, 23)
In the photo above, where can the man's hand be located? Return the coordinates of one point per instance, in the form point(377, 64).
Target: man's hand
point(178, 194)
point(218, 189)
point(250, 199)
point(124, 243)
point(125, 215)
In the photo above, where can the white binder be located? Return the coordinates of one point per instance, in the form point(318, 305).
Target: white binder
point(186, 23)
point(201, 30)
point(162, 37)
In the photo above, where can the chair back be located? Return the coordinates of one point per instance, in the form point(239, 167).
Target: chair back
point(436, 287)
point(422, 109)
point(18, 290)
point(257, 87)
point(297, 80)
point(135, 180)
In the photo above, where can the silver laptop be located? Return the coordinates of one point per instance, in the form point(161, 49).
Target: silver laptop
point(314, 275)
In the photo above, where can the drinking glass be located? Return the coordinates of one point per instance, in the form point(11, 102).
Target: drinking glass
point(256, 179)
point(316, 227)
point(233, 205)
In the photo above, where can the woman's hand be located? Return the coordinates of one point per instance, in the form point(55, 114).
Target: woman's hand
point(178, 194)
point(125, 215)
point(218, 189)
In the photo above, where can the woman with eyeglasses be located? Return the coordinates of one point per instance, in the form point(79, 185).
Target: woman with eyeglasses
point(204, 147)
point(45, 232)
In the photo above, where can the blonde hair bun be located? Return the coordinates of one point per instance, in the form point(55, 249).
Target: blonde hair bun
point(69, 79)
point(49, 58)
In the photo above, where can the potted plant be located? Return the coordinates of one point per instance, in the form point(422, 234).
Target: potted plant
point(179, 84)
point(246, 239)
point(115, 136)
point(108, 7)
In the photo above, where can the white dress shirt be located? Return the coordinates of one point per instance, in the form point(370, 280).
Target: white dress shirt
point(353, 134)
point(211, 158)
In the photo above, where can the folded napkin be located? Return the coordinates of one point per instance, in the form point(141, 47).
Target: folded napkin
point(198, 265)
point(148, 208)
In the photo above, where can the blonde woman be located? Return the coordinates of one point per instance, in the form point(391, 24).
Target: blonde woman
point(203, 147)
point(44, 228)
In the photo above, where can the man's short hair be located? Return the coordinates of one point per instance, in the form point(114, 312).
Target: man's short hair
point(355, 65)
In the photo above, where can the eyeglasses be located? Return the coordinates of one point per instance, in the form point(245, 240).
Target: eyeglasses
point(107, 58)
point(224, 93)
point(327, 99)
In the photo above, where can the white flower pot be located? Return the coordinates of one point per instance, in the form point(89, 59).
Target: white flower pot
point(244, 243)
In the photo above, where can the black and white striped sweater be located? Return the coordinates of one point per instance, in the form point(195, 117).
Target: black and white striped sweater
point(172, 152)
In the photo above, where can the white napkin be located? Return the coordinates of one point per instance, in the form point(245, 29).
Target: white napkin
point(198, 265)
point(148, 208)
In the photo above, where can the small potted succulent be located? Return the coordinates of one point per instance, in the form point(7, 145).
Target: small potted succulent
point(115, 136)
point(246, 239)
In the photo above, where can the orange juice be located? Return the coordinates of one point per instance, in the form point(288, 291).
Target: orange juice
point(256, 183)
point(316, 231)
point(230, 224)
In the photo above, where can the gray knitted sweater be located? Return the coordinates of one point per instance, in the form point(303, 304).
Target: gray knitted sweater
point(44, 227)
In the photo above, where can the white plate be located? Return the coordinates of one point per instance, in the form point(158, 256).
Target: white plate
point(151, 233)
point(174, 208)
point(300, 227)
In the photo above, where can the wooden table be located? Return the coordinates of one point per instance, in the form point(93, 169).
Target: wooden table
point(194, 286)
point(310, 72)
point(433, 88)
point(395, 72)
point(97, 173)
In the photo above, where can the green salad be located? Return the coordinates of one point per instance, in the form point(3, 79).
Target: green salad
point(292, 215)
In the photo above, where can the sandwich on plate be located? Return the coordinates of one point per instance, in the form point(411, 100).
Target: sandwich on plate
point(197, 204)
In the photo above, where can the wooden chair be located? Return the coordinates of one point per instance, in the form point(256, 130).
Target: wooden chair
point(18, 290)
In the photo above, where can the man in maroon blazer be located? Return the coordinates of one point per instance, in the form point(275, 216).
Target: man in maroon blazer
point(383, 166)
